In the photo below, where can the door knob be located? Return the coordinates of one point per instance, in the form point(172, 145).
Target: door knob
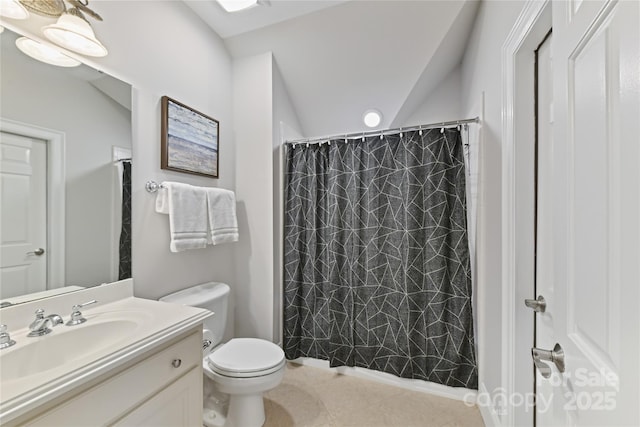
point(555, 356)
point(539, 305)
point(37, 252)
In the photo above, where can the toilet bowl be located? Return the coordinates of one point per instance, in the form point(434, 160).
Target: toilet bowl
point(242, 368)
point(245, 368)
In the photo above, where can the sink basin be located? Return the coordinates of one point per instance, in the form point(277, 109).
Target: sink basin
point(62, 346)
point(121, 330)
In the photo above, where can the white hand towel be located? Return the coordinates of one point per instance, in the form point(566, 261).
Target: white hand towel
point(186, 206)
point(223, 224)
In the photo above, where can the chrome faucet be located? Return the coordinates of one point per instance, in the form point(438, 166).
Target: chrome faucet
point(40, 326)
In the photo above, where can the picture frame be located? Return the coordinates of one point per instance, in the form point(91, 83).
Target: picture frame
point(190, 140)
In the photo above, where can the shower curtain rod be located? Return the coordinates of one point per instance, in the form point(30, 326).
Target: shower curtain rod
point(356, 135)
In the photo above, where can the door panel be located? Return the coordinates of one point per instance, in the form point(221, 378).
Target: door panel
point(594, 233)
point(592, 150)
point(23, 215)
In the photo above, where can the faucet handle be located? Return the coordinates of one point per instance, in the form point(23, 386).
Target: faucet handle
point(39, 318)
point(77, 307)
point(76, 316)
point(5, 338)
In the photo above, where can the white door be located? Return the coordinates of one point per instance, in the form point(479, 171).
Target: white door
point(590, 218)
point(23, 215)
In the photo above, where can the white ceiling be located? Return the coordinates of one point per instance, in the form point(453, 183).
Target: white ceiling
point(343, 58)
point(268, 13)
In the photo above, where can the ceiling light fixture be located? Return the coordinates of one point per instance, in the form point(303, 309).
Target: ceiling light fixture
point(44, 53)
point(237, 5)
point(372, 118)
point(73, 32)
point(50, 8)
point(13, 9)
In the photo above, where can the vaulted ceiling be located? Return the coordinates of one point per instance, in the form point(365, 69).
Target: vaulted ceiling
point(341, 58)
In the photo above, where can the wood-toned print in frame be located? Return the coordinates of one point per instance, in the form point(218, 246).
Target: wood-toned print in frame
point(190, 140)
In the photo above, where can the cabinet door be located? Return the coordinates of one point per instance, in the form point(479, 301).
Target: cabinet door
point(180, 404)
point(128, 390)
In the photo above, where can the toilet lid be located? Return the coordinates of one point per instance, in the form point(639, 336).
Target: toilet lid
point(243, 355)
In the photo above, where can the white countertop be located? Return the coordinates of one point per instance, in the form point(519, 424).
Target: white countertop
point(155, 323)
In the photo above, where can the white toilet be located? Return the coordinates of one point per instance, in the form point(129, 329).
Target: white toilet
point(244, 368)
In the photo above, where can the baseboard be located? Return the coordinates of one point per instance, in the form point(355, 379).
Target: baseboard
point(488, 412)
point(457, 393)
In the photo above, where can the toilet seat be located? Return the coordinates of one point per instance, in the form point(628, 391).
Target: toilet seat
point(246, 357)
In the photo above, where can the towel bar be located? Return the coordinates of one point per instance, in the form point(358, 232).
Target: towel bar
point(152, 186)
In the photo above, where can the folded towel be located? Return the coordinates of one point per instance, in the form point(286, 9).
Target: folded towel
point(223, 224)
point(186, 206)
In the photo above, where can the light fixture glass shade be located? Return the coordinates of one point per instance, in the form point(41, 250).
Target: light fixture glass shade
point(45, 53)
point(372, 118)
point(74, 33)
point(236, 5)
point(13, 9)
point(48, 8)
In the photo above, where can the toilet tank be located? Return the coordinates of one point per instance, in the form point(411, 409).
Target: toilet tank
point(213, 296)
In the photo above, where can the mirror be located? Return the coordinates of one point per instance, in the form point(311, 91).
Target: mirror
point(66, 143)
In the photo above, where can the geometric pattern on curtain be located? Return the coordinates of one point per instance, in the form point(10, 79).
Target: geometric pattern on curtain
point(377, 271)
point(124, 267)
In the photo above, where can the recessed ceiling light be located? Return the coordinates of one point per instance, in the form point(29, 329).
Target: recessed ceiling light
point(372, 118)
point(236, 5)
point(45, 53)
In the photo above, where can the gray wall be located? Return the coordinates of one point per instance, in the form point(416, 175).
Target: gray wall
point(481, 73)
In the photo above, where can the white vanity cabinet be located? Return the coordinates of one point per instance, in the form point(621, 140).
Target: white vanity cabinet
point(162, 389)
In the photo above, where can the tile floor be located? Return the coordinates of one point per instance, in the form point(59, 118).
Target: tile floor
point(313, 397)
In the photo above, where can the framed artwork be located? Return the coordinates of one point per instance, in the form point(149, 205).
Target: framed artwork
point(190, 140)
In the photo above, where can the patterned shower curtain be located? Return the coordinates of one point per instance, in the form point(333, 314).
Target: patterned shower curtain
point(377, 271)
point(124, 270)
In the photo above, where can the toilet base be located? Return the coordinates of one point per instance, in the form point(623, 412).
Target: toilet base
point(224, 410)
point(213, 417)
point(245, 410)
point(216, 403)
